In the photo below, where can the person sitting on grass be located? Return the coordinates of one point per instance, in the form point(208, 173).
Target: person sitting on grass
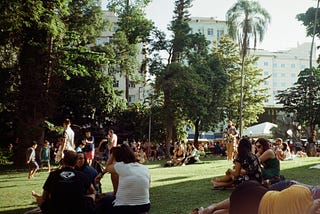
point(178, 156)
point(67, 190)
point(131, 183)
point(270, 163)
point(192, 155)
point(251, 197)
point(247, 167)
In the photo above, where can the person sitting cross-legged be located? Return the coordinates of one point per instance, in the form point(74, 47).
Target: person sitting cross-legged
point(247, 167)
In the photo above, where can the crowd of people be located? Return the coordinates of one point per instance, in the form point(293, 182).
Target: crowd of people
point(75, 187)
point(76, 184)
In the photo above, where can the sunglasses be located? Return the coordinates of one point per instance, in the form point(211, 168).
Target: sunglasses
point(258, 146)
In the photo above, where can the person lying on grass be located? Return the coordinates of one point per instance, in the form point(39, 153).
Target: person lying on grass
point(252, 197)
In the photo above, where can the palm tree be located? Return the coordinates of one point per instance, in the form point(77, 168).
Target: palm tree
point(246, 21)
point(314, 32)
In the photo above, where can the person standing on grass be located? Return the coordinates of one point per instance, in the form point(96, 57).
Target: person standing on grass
point(68, 137)
point(31, 160)
point(45, 155)
point(89, 147)
point(113, 141)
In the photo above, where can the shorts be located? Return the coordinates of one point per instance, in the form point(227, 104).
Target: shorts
point(33, 165)
point(89, 155)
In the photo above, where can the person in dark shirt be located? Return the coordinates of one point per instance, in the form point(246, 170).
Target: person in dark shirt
point(67, 190)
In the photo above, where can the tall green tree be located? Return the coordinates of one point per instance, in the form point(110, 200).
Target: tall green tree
point(246, 21)
point(43, 38)
point(201, 81)
point(136, 27)
point(166, 71)
point(303, 99)
point(254, 95)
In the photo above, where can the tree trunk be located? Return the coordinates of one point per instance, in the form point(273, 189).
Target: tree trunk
point(169, 119)
point(196, 133)
point(32, 106)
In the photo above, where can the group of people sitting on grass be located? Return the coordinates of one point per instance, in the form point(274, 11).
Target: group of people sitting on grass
point(75, 187)
point(259, 188)
point(182, 156)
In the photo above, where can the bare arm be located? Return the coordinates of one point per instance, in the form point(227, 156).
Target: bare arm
point(236, 171)
point(268, 154)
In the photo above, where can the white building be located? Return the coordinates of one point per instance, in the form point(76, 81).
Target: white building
point(211, 28)
point(283, 66)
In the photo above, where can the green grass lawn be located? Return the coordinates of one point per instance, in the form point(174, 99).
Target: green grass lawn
point(174, 190)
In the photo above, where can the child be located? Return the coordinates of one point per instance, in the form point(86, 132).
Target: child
point(45, 155)
point(31, 160)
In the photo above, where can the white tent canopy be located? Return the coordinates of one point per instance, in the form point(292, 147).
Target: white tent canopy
point(260, 130)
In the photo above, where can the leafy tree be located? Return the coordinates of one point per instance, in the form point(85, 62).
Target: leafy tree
point(310, 20)
point(254, 95)
point(246, 20)
point(136, 28)
point(198, 86)
point(43, 39)
point(303, 99)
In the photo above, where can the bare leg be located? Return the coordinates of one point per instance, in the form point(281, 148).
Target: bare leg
point(223, 184)
point(224, 178)
point(315, 207)
point(220, 207)
point(38, 197)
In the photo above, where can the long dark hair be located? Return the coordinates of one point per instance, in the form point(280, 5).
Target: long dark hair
point(123, 153)
point(264, 143)
point(244, 147)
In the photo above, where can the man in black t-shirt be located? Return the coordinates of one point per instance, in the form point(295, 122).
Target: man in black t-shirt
point(67, 190)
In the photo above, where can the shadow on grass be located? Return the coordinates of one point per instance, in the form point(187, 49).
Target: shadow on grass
point(174, 178)
point(16, 211)
point(7, 186)
point(187, 194)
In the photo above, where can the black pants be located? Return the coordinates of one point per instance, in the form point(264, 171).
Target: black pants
point(137, 209)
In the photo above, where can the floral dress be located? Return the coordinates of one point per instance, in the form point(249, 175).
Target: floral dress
point(251, 164)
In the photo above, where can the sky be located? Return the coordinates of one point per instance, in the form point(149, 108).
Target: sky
point(284, 31)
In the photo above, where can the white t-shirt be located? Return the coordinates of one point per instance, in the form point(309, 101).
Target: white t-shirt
point(134, 184)
point(69, 136)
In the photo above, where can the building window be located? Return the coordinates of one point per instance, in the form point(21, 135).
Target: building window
point(220, 33)
point(132, 84)
point(275, 84)
point(293, 65)
point(293, 75)
point(283, 84)
point(116, 84)
point(283, 65)
point(266, 83)
point(283, 74)
point(275, 75)
point(132, 98)
point(266, 73)
point(274, 65)
point(265, 63)
point(210, 31)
